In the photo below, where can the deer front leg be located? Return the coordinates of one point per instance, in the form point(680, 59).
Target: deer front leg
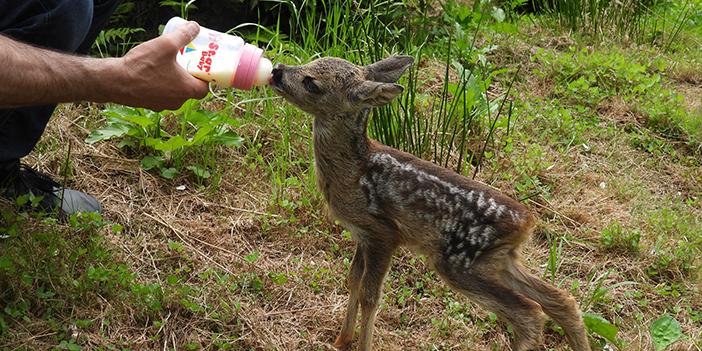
point(377, 264)
point(365, 281)
point(353, 283)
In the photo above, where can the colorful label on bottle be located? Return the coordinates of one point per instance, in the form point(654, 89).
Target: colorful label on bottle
point(212, 56)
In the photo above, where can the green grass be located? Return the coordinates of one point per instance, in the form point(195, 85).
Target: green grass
point(599, 137)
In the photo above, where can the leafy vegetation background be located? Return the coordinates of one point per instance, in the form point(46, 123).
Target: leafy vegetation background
point(214, 236)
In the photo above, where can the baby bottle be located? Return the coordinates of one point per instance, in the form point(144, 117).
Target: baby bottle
point(222, 59)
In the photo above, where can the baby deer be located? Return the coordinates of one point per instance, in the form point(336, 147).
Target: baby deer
point(469, 232)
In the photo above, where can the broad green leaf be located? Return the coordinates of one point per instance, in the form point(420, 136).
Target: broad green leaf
point(201, 135)
point(151, 141)
point(665, 331)
point(5, 263)
point(199, 171)
point(153, 115)
point(124, 143)
point(235, 123)
point(74, 347)
point(464, 12)
point(502, 123)
point(195, 117)
point(202, 117)
point(172, 144)
point(13, 231)
point(498, 14)
point(601, 326)
point(120, 111)
point(139, 120)
point(150, 162)
point(83, 322)
point(169, 173)
point(229, 138)
point(109, 131)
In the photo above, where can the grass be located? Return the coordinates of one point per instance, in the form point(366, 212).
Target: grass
point(601, 142)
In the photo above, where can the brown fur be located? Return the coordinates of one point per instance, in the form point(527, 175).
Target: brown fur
point(470, 232)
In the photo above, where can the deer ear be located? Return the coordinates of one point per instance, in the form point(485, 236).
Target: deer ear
point(374, 94)
point(389, 70)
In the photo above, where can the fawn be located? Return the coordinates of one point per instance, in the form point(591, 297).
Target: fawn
point(469, 232)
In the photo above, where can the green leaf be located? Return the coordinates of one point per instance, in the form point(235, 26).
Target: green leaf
point(201, 134)
point(139, 120)
point(120, 111)
point(83, 322)
point(199, 171)
point(5, 263)
point(278, 278)
point(172, 144)
point(44, 294)
point(665, 331)
point(169, 173)
point(601, 326)
point(150, 162)
point(71, 346)
point(498, 14)
point(172, 279)
point(109, 131)
point(229, 138)
point(235, 123)
point(251, 258)
point(150, 141)
point(199, 117)
point(124, 143)
point(13, 231)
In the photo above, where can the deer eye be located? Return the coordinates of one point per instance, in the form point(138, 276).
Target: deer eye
point(309, 85)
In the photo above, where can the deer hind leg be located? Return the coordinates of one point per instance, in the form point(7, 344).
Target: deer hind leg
point(485, 286)
point(557, 303)
point(370, 264)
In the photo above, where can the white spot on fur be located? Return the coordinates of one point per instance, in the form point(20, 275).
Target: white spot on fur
point(469, 262)
point(461, 257)
point(500, 209)
point(472, 235)
point(481, 200)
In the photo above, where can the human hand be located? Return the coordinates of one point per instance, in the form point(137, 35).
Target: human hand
point(148, 75)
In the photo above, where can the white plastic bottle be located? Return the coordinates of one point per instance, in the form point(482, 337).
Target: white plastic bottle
point(223, 59)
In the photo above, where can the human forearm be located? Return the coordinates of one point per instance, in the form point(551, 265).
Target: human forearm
point(35, 76)
point(147, 76)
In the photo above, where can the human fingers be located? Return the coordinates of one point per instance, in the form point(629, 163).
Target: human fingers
point(184, 33)
point(181, 36)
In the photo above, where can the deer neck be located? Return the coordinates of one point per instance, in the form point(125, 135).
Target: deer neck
point(340, 147)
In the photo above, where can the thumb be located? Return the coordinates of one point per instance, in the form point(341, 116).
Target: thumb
point(185, 33)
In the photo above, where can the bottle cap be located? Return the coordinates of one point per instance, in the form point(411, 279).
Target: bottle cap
point(246, 69)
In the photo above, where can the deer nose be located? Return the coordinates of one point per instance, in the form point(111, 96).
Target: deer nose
point(277, 77)
point(277, 73)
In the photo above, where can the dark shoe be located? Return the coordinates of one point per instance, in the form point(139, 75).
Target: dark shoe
point(20, 179)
